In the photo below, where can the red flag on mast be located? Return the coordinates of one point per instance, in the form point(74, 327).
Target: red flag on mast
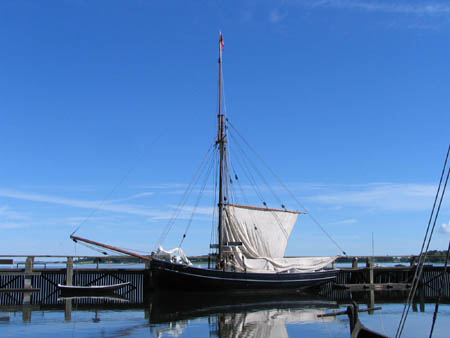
point(221, 41)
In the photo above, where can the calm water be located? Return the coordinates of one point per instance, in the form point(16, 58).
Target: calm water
point(212, 316)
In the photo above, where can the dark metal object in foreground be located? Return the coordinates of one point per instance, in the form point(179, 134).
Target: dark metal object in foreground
point(357, 329)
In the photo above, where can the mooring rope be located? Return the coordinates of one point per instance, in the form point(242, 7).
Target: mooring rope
point(425, 246)
point(436, 308)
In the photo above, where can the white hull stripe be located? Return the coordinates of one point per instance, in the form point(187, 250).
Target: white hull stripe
point(251, 280)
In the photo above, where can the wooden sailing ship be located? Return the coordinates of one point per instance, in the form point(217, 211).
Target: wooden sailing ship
point(251, 243)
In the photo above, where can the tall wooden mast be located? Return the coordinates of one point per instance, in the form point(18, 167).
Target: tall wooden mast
point(221, 142)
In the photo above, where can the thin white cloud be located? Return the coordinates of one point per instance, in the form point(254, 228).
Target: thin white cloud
point(379, 196)
point(7, 213)
point(400, 7)
point(162, 186)
point(373, 197)
point(11, 225)
point(133, 197)
point(174, 188)
point(123, 208)
point(276, 15)
point(154, 214)
point(445, 228)
point(184, 213)
point(345, 221)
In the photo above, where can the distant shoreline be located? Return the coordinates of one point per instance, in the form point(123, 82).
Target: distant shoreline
point(434, 256)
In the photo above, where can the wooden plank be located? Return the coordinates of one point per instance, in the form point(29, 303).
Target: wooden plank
point(17, 308)
point(19, 290)
point(6, 261)
point(375, 287)
point(13, 273)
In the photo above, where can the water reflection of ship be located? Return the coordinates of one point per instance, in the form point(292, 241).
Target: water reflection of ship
point(264, 323)
point(172, 329)
point(236, 314)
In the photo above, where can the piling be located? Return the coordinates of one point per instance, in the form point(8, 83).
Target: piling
point(27, 281)
point(69, 271)
point(371, 282)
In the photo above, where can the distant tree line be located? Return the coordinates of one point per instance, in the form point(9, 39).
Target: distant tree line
point(433, 256)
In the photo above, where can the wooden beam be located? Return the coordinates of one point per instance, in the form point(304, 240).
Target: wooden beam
point(110, 247)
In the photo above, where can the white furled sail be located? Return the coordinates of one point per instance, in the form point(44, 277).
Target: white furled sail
point(255, 240)
point(175, 255)
point(263, 232)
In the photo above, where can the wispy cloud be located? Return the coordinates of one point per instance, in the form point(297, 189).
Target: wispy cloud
point(133, 197)
point(11, 219)
point(345, 221)
point(161, 213)
point(123, 208)
point(379, 196)
point(423, 8)
point(7, 213)
point(445, 228)
point(11, 225)
point(276, 15)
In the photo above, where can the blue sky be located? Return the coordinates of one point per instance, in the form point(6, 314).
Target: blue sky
point(108, 107)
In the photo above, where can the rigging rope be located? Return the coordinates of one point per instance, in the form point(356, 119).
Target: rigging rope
point(248, 174)
point(114, 188)
point(194, 210)
point(436, 308)
point(92, 247)
point(288, 190)
point(239, 184)
point(183, 199)
point(259, 173)
point(256, 188)
point(213, 223)
point(425, 247)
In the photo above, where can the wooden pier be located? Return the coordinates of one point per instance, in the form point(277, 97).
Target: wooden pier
point(36, 283)
point(387, 284)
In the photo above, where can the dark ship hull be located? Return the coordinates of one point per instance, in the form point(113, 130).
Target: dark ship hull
point(171, 276)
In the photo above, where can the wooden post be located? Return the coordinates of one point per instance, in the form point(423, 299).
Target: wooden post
point(27, 279)
point(355, 263)
point(26, 313)
point(29, 264)
point(68, 309)
point(412, 261)
point(370, 263)
point(333, 265)
point(422, 298)
point(371, 281)
point(69, 281)
point(148, 282)
point(69, 271)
